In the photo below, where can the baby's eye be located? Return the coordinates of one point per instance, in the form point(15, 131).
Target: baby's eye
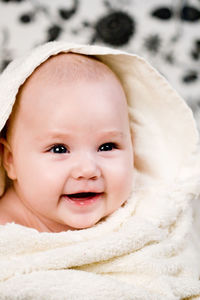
point(59, 149)
point(107, 147)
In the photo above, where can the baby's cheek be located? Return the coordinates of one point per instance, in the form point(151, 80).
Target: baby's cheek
point(122, 180)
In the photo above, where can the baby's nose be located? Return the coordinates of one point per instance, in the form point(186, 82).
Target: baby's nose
point(85, 167)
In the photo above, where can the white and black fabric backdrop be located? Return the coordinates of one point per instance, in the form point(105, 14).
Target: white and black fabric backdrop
point(165, 32)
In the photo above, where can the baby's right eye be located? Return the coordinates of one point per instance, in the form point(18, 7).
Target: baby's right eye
point(58, 149)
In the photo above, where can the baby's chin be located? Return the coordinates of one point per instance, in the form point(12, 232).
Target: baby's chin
point(83, 223)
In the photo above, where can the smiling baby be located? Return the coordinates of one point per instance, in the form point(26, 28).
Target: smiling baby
point(68, 146)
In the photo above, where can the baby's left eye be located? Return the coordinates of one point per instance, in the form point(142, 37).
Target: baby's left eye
point(107, 147)
point(59, 149)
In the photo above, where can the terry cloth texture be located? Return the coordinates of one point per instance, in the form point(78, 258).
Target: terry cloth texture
point(145, 249)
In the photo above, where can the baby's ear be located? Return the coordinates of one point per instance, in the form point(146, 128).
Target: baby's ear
point(7, 158)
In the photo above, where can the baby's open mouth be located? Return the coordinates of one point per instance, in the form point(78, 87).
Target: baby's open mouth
point(84, 198)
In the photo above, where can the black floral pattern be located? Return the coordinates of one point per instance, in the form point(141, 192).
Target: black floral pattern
point(195, 53)
point(12, 1)
point(116, 28)
point(4, 64)
point(169, 57)
point(53, 33)
point(190, 14)
point(190, 77)
point(66, 14)
point(162, 13)
point(153, 43)
point(26, 17)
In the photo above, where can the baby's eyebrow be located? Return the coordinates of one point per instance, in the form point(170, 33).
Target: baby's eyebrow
point(53, 135)
point(65, 135)
point(114, 133)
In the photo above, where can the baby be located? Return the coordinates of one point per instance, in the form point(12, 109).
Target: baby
point(95, 179)
point(68, 147)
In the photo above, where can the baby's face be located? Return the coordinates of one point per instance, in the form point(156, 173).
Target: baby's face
point(72, 151)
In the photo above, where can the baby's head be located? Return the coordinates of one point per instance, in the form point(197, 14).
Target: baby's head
point(68, 147)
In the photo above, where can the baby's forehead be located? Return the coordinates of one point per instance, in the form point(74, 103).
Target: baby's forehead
point(65, 70)
point(69, 67)
point(60, 72)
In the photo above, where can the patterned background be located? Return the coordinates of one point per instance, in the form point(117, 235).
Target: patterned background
point(165, 32)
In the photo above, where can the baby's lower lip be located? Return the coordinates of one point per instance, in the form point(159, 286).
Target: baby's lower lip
point(83, 199)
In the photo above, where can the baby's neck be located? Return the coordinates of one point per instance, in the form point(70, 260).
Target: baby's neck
point(13, 210)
